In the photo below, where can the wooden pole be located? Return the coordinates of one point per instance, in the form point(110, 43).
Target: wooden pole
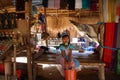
point(109, 11)
point(8, 67)
point(14, 46)
point(29, 60)
point(101, 27)
point(79, 14)
point(45, 24)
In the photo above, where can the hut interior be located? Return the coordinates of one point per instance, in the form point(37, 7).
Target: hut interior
point(81, 23)
point(57, 20)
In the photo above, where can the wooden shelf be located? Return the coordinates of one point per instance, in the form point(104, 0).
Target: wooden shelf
point(6, 30)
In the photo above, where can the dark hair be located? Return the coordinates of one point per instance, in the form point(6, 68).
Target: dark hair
point(65, 35)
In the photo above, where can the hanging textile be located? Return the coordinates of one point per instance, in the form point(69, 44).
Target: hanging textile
point(93, 5)
point(45, 3)
point(115, 35)
point(78, 4)
point(118, 36)
point(57, 4)
point(118, 62)
point(2, 68)
point(50, 3)
point(118, 10)
point(109, 41)
point(71, 4)
point(85, 4)
point(63, 4)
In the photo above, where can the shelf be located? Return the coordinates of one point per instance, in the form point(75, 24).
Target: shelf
point(6, 30)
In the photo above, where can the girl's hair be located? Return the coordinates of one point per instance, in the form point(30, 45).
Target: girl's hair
point(64, 35)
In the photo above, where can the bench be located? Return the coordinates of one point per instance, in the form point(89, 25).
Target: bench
point(99, 64)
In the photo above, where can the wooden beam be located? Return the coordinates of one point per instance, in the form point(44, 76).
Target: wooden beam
point(28, 5)
point(101, 27)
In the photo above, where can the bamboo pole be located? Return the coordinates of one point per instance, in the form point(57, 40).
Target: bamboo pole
point(29, 60)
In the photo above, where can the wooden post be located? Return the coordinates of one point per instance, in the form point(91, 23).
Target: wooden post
point(79, 15)
point(45, 24)
point(109, 11)
point(14, 62)
point(8, 67)
point(27, 17)
point(101, 72)
point(101, 27)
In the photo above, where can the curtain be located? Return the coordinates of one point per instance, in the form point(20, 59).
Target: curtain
point(57, 4)
point(50, 3)
point(109, 41)
point(63, 4)
point(71, 4)
point(85, 4)
point(78, 4)
point(118, 36)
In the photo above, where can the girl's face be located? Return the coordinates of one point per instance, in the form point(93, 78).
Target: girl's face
point(65, 40)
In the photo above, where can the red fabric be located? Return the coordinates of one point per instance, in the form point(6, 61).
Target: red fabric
point(93, 7)
point(118, 10)
point(109, 40)
point(57, 4)
point(43, 28)
point(1, 68)
point(19, 72)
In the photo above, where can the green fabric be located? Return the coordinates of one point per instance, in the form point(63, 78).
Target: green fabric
point(118, 62)
point(85, 4)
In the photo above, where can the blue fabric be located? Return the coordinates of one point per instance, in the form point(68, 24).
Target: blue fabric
point(62, 47)
point(77, 63)
point(85, 4)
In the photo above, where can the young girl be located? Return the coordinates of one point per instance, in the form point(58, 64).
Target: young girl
point(66, 52)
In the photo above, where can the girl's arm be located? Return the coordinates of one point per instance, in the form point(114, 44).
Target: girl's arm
point(70, 55)
point(63, 53)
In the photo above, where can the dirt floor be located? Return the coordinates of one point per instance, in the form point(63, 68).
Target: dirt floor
point(51, 73)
